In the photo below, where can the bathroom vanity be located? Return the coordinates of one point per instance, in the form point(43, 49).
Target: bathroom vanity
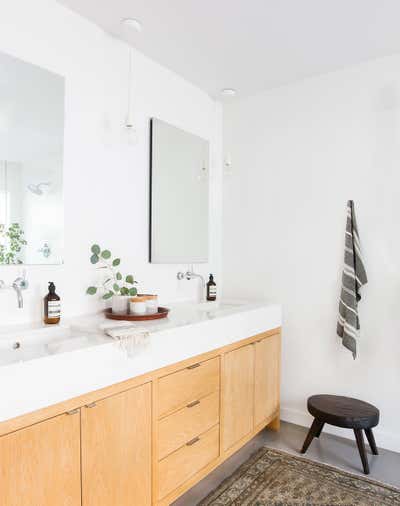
point(86, 423)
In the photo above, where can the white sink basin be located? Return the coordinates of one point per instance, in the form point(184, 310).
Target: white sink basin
point(186, 313)
point(30, 344)
point(217, 305)
point(42, 342)
point(213, 307)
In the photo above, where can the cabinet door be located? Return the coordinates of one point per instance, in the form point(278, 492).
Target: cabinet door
point(40, 465)
point(238, 395)
point(267, 378)
point(116, 450)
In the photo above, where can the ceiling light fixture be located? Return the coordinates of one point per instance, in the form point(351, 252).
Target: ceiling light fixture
point(132, 23)
point(228, 92)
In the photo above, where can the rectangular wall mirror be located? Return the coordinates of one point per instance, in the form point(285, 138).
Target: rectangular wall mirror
point(179, 195)
point(31, 161)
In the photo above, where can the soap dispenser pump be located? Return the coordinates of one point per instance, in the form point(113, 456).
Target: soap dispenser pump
point(211, 289)
point(52, 306)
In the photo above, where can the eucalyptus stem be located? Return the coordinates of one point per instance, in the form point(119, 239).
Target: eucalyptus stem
point(115, 285)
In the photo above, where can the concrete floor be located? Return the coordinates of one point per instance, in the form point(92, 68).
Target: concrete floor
point(328, 449)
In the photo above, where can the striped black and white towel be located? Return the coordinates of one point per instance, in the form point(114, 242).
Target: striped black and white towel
point(353, 278)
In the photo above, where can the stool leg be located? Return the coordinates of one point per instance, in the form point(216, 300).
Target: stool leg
point(371, 441)
point(361, 448)
point(320, 430)
point(315, 429)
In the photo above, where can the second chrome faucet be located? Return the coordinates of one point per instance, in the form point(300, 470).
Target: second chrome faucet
point(190, 274)
point(19, 284)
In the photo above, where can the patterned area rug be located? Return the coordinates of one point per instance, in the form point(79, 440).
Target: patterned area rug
point(274, 478)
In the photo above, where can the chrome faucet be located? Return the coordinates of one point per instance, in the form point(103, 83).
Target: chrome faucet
point(19, 284)
point(190, 274)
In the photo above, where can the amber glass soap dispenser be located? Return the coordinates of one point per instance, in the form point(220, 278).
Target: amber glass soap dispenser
point(52, 306)
point(211, 289)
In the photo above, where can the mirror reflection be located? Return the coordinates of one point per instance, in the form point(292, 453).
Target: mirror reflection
point(31, 159)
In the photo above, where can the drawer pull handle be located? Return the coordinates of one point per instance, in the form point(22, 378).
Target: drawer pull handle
point(73, 411)
point(192, 404)
point(193, 366)
point(192, 441)
point(91, 405)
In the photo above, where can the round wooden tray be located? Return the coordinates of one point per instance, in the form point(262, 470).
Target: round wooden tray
point(162, 313)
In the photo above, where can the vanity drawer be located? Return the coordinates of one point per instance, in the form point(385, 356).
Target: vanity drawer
point(181, 465)
point(178, 389)
point(183, 425)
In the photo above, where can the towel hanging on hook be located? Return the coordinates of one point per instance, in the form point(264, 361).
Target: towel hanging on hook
point(353, 278)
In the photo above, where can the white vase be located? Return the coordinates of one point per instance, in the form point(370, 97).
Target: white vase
point(119, 304)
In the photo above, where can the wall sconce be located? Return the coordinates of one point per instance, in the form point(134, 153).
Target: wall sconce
point(228, 165)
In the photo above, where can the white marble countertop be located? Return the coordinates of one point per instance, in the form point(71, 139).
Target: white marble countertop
point(54, 364)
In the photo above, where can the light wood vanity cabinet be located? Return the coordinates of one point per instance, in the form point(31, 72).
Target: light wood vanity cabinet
point(251, 386)
point(187, 429)
point(184, 463)
point(238, 395)
point(147, 440)
point(40, 465)
point(116, 449)
point(193, 382)
point(98, 455)
point(182, 426)
point(197, 430)
point(267, 371)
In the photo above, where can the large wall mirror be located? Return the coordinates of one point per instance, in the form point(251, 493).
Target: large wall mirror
point(31, 160)
point(179, 195)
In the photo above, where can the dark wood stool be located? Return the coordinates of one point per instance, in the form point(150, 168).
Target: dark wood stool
point(347, 413)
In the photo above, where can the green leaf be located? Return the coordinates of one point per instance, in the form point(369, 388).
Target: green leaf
point(116, 262)
point(95, 249)
point(132, 292)
point(92, 290)
point(129, 279)
point(106, 254)
point(94, 259)
point(124, 291)
point(118, 276)
point(116, 287)
point(107, 295)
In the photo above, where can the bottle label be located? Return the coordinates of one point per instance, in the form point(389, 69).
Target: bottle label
point(54, 309)
point(212, 291)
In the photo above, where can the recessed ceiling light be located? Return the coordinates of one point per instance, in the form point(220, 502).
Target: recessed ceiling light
point(132, 23)
point(228, 92)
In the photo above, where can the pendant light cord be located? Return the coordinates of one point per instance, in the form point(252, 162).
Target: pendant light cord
point(129, 112)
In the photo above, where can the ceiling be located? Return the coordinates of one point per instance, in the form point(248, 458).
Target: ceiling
point(251, 45)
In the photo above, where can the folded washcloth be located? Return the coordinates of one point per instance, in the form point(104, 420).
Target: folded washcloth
point(353, 278)
point(129, 338)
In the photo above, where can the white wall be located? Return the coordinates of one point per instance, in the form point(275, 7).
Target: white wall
point(105, 179)
point(298, 153)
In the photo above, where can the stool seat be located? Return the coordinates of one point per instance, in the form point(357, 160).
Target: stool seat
point(343, 412)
